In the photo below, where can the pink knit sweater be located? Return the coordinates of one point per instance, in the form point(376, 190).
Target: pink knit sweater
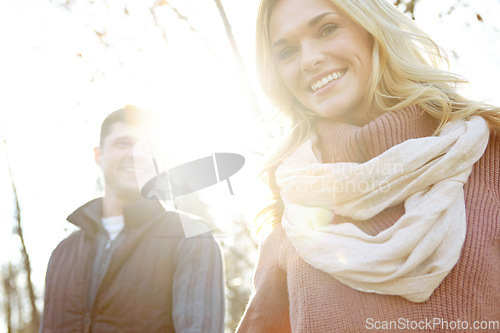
point(292, 296)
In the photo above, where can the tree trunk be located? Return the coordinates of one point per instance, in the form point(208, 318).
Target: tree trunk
point(8, 281)
point(239, 62)
point(35, 315)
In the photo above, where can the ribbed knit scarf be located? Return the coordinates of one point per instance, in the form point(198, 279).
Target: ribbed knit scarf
point(413, 256)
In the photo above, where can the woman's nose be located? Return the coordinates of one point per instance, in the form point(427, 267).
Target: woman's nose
point(312, 56)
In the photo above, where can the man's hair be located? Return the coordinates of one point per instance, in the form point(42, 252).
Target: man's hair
point(130, 115)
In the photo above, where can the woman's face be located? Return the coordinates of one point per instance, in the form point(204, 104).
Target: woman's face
point(323, 57)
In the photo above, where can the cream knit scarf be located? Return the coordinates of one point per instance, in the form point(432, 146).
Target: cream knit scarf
point(413, 256)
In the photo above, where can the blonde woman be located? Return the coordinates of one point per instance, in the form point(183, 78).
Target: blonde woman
point(387, 188)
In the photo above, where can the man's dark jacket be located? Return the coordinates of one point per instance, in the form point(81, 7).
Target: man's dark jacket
point(135, 294)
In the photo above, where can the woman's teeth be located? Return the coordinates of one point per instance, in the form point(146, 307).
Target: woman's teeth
point(324, 81)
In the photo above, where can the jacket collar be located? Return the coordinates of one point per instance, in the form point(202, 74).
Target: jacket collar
point(88, 217)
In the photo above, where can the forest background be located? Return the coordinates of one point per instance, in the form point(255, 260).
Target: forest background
point(66, 64)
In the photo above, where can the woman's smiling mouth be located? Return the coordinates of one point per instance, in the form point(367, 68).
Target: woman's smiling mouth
point(326, 79)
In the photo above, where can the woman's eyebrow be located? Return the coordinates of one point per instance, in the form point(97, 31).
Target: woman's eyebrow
point(279, 42)
point(318, 18)
point(311, 24)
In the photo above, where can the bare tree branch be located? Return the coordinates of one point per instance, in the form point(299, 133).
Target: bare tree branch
point(409, 6)
point(239, 62)
point(9, 288)
point(35, 315)
point(181, 17)
point(157, 23)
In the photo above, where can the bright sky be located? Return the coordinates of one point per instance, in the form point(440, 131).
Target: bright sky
point(55, 95)
point(54, 101)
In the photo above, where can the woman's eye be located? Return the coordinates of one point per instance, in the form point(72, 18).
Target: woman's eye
point(286, 53)
point(328, 30)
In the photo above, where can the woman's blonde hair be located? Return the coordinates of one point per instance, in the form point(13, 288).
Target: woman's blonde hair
point(405, 72)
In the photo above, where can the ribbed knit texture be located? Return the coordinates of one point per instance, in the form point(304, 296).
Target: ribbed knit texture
point(287, 290)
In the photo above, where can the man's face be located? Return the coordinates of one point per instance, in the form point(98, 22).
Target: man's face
point(122, 162)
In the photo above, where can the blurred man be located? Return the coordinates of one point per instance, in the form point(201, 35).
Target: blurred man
point(130, 268)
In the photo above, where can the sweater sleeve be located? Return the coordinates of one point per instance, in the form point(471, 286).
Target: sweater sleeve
point(198, 286)
point(268, 310)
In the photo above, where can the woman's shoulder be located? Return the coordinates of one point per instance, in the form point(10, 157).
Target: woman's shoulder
point(494, 138)
point(487, 170)
point(273, 250)
point(273, 240)
point(492, 153)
